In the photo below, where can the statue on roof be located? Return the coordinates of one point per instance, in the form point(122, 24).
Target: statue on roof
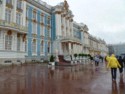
point(66, 6)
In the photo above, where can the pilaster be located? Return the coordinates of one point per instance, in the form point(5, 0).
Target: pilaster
point(58, 24)
point(24, 13)
point(3, 9)
point(14, 11)
point(69, 45)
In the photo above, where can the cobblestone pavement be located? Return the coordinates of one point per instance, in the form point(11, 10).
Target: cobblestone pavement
point(39, 79)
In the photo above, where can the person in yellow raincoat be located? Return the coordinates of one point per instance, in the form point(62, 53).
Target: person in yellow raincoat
point(107, 59)
point(113, 64)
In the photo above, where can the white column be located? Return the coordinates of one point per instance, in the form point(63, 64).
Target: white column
point(58, 25)
point(1, 39)
point(14, 41)
point(24, 14)
point(14, 11)
point(3, 10)
point(64, 23)
point(22, 44)
point(75, 47)
point(68, 28)
point(69, 44)
point(71, 28)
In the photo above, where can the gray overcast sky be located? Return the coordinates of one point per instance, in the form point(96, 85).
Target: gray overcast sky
point(104, 18)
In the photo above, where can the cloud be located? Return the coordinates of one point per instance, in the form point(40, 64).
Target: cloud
point(105, 18)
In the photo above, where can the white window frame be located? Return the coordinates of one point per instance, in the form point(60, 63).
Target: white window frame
point(42, 46)
point(8, 15)
point(34, 29)
point(19, 4)
point(18, 18)
point(8, 42)
point(18, 43)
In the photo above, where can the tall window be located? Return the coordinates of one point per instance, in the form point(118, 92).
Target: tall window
point(34, 15)
point(42, 43)
point(18, 18)
point(34, 28)
point(27, 12)
point(18, 43)
point(49, 33)
point(41, 19)
point(8, 15)
point(42, 31)
point(9, 1)
point(8, 42)
point(26, 23)
point(34, 46)
point(48, 47)
point(48, 21)
point(25, 46)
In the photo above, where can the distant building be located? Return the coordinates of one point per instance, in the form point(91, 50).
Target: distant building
point(117, 49)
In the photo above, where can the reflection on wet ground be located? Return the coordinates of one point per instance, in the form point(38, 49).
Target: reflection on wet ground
point(39, 79)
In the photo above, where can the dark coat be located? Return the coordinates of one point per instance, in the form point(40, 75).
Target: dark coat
point(120, 60)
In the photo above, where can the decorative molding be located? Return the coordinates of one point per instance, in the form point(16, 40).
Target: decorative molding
point(62, 26)
point(34, 20)
point(18, 34)
point(19, 9)
point(9, 5)
point(42, 14)
point(9, 32)
point(58, 12)
point(64, 15)
point(34, 35)
point(42, 24)
point(24, 37)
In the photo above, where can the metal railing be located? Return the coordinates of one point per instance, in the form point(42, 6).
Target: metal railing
point(13, 25)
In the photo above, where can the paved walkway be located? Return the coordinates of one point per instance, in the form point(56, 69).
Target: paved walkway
point(39, 79)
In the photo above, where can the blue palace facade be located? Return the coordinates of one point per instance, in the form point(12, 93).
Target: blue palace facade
point(33, 30)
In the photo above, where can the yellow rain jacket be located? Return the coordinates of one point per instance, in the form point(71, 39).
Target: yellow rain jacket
point(113, 62)
point(107, 58)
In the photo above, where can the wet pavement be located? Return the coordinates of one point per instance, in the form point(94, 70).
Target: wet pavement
point(42, 79)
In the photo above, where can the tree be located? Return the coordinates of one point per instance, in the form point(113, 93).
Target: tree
point(52, 58)
point(75, 55)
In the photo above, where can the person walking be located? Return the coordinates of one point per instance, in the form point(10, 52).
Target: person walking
point(96, 59)
point(107, 58)
point(113, 64)
point(120, 60)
